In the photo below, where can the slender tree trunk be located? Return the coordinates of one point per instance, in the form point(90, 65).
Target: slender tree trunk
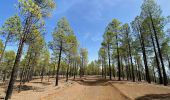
point(122, 68)
point(127, 72)
point(15, 69)
point(68, 69)
point(80, 71)
point(157, 60)
point(102, 68)
point(81, 67)
point(114, 73)
point(4, 77)
point(159, 51)
point(33, 67)
point(139, 71)
point(58, 67)
point(145, 60)
point(28, 73)
point(70, 73)
point(75, 68)
point(27, 67)
point(133, 75)
point(21, 76)
point(118, 58)
point(54, 70)
point(168, 60)
point(110, 70)
point(42, 74)
point(154, 76)
point(31, 72)
point(17, 58)
point(24, 75)
point(141, 38)
point(105, 72)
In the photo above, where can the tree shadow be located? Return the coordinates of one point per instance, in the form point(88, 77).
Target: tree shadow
point(118, 82)
point(155, 97)
point(96, 81)
point(43, 83)
point(92, 81)
point(27, 88)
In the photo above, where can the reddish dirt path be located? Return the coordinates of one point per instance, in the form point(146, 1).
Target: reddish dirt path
point(90, 88)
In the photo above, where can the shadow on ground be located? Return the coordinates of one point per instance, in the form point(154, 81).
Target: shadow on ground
point(43, 83)
point(155, 97)
point(26, 88)
point(96, 81)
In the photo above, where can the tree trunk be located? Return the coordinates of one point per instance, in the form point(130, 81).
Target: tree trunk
point(58, 67)
point(122, 68)
point(126, 65)
point(68, 69)
point(157, 60)
point(28, 74)
point(129, 69)
point(168, 60)
point(133, 75)
point(4, 77)
point(118, 58)
point(75, 69)
point(110, 70)
point(114, 73)
point(21, 76)
point(102, 68)
point(145, 60)
point(42, 74)
point(105, 72)
point(15, 69)
point(81, 67)
point(139, 71)
point(141, 38)
point(159, 51)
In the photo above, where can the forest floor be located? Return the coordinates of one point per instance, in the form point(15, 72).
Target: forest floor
point(91, 88)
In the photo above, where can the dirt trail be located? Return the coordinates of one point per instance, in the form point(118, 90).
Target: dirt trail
point(90, 88)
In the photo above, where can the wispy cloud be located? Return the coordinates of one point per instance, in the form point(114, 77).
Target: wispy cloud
point(66, 5)
point(97, 37)
point(86, 35)
point(94, 37)
point(92, 10)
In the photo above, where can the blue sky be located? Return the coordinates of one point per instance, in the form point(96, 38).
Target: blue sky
point(88, 18)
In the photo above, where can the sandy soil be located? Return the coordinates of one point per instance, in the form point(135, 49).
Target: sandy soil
point(92, 88)
point(143, 91)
